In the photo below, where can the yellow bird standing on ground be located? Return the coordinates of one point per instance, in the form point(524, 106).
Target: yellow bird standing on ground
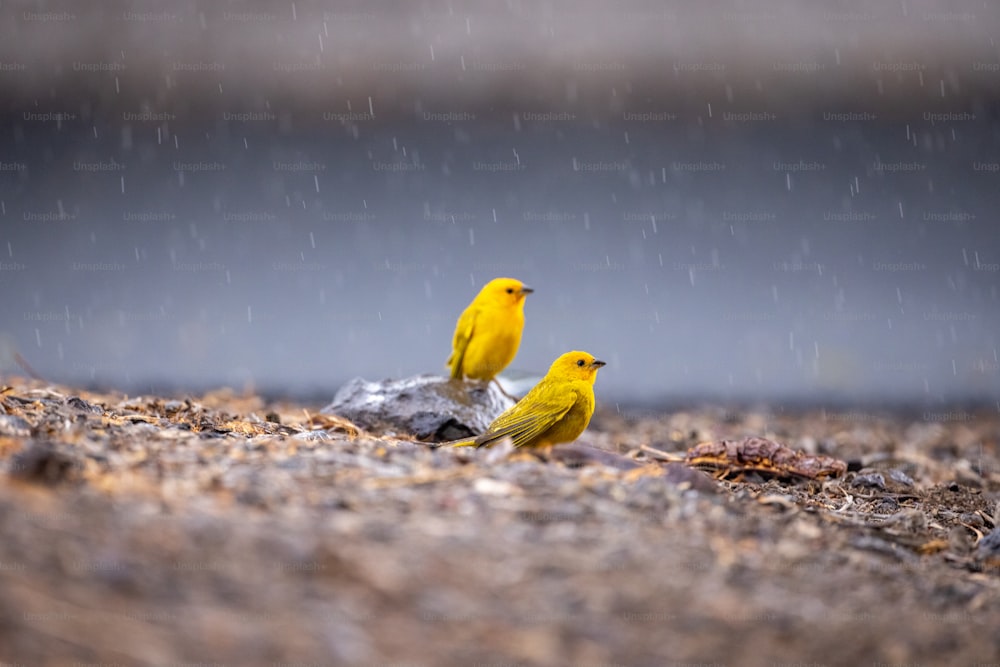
point(488, 332)
point(556, 410)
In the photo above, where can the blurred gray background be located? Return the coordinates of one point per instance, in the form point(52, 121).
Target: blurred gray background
point(734, 201)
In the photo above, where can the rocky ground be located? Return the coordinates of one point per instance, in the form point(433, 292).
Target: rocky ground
point(229, 530)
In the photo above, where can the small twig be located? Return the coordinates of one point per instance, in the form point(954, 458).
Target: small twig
point(26, 367)
point(660, 455)
point(849, 503)
point(500, 387)
point(979, 533)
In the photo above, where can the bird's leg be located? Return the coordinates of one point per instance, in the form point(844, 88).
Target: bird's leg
point(542, 453)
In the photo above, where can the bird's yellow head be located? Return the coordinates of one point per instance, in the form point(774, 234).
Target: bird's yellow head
point(505, 291)
point(576, 365)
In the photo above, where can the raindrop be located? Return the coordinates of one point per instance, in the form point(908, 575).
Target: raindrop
point(788, 181)
point(371, 107)
point(432, 52)
point(494, 215)
point(709, 109)
point(250, 314)
point(123, 185)
point(472, 236)
point(312, 240)
point(900, 209)
point(316, 181)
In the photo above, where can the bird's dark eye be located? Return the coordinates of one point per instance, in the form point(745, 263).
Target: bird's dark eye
point(510, 290)
point(579, 362)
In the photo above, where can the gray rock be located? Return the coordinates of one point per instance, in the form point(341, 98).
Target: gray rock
point(426, 407)
point(13, 426)
point(873, 480)
point(901, 477)
point(988, 548)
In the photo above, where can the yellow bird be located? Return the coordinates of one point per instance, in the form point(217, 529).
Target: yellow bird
point(556, 410)
point(488, 332)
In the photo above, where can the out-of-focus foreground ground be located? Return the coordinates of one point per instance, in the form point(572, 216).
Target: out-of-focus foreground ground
point(150, 531)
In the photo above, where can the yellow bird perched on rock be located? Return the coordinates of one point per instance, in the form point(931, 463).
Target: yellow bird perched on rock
point(488, 332)
point(556, 410)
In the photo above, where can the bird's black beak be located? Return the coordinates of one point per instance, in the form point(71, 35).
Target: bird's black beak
point(526, 290)
point(597, 363)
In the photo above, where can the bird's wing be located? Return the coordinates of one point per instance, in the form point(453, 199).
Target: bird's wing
point(529, 418)
point(463, 334)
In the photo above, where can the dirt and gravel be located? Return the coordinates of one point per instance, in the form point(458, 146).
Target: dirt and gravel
point(226, 529)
